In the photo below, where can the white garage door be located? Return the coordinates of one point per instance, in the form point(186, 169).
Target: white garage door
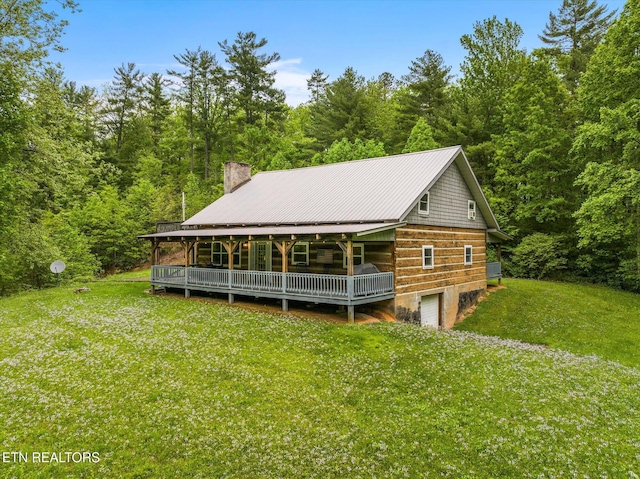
point(429, 311)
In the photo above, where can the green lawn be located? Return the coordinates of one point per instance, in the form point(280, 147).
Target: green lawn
point(580, 318)
point(164, 387)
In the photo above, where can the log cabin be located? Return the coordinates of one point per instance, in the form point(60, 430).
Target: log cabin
point(407, 234)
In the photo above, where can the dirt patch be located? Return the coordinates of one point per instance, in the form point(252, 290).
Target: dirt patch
point(298, 309)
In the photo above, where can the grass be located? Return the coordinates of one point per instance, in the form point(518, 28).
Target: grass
point(164, 387)
point(581, 318)
point(130, 275)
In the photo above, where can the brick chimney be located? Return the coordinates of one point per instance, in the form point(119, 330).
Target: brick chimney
point(235, 175)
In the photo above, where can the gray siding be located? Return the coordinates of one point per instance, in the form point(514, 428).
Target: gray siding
point(448, 204)
point(389, 235)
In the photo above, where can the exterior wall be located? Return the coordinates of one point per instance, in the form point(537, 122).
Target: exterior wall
point(449, 277)
point(448, 206)
point(378, 253)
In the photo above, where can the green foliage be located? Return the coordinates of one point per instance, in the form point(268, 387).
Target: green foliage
point(109, 225)
point(316, 84)
point(573, 35)
point(199, 194)
point(534, 171)
point(492, 64)
point(609, 218)
point(27, 31)
point(345, 150)
point(341, 112)
point(73, 246)
point(420, 139)
point(538, 256)
point(25, 263)
point(427, 82)
point(609, 224)
point(252, 80)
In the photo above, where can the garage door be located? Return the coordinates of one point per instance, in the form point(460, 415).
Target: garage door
point(429, 311)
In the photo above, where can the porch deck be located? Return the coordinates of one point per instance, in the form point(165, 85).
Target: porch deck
point(321, 288)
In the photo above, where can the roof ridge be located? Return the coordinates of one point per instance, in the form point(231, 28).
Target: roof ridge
point(363, 159)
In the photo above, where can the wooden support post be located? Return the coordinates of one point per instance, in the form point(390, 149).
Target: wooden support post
point(185, 245)
point(192, 249)
point(351, 308)
point(154, 261)
point(230, 247)
point(284, 248)
point(500, 261)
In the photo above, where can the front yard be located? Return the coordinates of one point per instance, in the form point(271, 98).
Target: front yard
point(164, 387)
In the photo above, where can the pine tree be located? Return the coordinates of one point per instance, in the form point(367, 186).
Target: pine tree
point(157, 104)
point(428, 79)
point(123, 100)
point(573, 35)
point(252, 76)
point(187, 81)
point(342, 111)
point(420, 139)
point(317, 84)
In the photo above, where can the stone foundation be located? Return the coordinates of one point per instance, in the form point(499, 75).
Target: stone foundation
point(407, 306)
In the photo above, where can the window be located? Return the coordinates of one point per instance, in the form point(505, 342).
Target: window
point(300, 253)
point(468, 254)
point(427, 257)
point(472, 210)
point(358, 255)
point(219, 256)
point(423, 205)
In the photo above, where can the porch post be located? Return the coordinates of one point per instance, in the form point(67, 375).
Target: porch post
point(284, 249)
point(285, 270)
point(185, 245)
point(500, 261)
point(231, 247)
point(154, 261)
point(230, 252)
point(187, 253)
point(351, 308)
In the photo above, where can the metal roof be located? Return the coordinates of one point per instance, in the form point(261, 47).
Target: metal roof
point(358, 229)
point(373, 190)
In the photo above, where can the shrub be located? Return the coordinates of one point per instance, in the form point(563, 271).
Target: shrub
point(538, 256)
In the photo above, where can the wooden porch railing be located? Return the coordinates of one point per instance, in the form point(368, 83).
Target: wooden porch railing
point(322, 286)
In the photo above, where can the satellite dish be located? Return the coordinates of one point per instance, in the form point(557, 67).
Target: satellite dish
point(57, 267)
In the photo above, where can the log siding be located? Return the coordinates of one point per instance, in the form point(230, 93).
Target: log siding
point(448, 261)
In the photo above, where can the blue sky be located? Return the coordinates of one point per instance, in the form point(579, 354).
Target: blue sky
point(370, 36)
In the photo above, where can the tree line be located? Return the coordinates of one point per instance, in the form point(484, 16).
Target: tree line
point(553, 137)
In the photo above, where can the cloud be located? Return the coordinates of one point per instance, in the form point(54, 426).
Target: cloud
point(292, 79)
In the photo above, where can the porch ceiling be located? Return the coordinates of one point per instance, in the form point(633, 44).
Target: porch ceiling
point(258, 231)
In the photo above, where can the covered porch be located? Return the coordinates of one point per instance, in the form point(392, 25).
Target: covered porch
point(316, 263)
point(328, 288)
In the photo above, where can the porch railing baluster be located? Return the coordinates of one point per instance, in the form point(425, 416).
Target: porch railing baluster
point(328, 286)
